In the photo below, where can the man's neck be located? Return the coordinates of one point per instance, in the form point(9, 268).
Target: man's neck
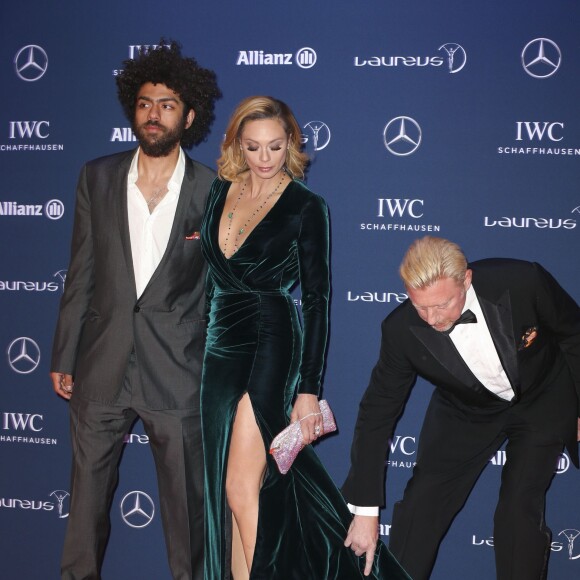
point(153, 168)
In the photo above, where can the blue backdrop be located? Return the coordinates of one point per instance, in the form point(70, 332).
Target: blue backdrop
point(451, 117)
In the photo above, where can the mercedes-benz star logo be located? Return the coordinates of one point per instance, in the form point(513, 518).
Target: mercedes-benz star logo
point(402, 136)
point(320, 135)
point(541, 58)
point(23, 355)
point(137, 509)
point(31, 63)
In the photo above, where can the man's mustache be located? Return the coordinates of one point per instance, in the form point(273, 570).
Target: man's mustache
point(153, 124)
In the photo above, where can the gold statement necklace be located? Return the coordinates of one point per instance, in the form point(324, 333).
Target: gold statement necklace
point(249, 220)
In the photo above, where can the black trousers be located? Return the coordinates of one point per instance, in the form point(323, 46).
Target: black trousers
point(453, 451)
point(97, 433)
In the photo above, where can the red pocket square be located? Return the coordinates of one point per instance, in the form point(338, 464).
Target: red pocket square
point(193, 236)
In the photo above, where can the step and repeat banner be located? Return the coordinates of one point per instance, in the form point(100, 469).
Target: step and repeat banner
point(448, 118)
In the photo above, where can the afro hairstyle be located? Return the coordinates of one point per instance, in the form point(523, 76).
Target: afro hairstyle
point(163, 64)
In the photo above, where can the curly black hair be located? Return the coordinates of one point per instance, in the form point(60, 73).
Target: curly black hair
point(196, 86)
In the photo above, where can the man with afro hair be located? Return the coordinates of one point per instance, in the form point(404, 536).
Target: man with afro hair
point(130, 335)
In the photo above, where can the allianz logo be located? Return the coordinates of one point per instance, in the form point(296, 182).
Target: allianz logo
point(122, 135)
point(52, 209)
point(385, 297)
point(304, 58)
point(499, 459)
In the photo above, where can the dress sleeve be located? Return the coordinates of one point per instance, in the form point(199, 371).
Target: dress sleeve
point(313, 262)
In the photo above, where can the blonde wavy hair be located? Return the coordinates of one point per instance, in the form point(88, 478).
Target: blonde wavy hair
point(430, 259)
point(232, 163)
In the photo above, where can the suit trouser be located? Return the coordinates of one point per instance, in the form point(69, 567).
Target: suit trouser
point(453, 450)
point(97, 433)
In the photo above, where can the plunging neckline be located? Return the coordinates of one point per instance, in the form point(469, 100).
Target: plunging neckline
point(264, 216)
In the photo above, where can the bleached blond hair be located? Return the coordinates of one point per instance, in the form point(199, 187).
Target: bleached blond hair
point(430, 259)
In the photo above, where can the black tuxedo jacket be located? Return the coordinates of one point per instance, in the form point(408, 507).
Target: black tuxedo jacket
point(515, 296)
point(101, 321)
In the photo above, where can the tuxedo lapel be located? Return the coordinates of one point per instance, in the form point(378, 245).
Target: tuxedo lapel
point(443, 350)
point(498, 316)
point(119, 189)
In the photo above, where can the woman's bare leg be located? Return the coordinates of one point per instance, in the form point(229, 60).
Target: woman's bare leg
point(239, 566)
point(246, 468)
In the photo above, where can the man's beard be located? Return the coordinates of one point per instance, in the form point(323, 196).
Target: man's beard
point(163, 144)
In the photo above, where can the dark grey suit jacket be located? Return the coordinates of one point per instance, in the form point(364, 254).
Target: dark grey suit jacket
point(514, 296)
point(101, 320)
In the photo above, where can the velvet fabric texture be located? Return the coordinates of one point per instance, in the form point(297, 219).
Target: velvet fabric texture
point(255, 344)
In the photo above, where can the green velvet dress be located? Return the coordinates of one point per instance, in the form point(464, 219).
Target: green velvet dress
point(255, 344)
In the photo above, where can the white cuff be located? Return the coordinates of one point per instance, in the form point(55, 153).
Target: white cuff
point(363, 511)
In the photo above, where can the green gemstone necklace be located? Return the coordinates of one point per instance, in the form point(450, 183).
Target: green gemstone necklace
point(241, 231)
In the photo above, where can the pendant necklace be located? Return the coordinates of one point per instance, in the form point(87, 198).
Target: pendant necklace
point(248, 221)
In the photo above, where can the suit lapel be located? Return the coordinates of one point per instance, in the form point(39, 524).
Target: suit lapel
point(444, 351)
point(498, 316)
point(499, 321)
point(119, 189)
point(181, 212)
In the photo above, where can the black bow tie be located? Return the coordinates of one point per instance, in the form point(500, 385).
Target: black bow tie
point(466, 318)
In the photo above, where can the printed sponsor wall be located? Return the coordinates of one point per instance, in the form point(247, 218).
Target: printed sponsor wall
point(450, 118)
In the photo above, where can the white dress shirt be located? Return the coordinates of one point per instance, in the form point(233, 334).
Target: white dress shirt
point(149, 232)
point(474, 343)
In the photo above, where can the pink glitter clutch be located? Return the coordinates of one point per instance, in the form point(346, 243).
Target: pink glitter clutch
point(288, 443)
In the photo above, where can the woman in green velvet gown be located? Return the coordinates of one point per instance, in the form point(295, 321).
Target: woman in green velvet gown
point(263, 233)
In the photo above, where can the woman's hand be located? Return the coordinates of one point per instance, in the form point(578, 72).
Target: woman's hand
point(306, 407)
